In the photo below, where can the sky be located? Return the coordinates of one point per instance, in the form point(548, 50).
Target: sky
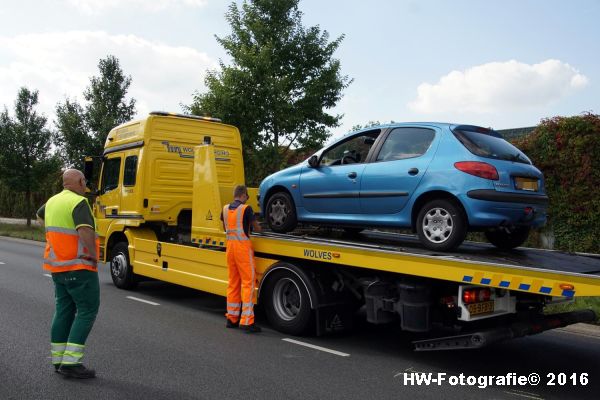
point(500, 64)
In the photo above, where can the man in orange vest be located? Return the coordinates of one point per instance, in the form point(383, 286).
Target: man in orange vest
point(238, 218)
point(71, 256)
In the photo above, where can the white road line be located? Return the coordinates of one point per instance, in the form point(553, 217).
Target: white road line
point(312, 346)
point(143, 301)
point(48, 275)
point(517, 393)
point(1, 263)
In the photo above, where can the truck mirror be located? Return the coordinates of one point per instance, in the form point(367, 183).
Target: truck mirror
point(88, 170)
point(313, 162)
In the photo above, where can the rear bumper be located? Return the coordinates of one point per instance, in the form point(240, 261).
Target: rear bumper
point(504, 197)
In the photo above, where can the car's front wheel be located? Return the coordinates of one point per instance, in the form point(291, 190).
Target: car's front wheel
point(508, 238)
point(281, 213)
point(441, 225)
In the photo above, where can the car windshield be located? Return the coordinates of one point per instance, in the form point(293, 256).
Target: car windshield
point(488, 143)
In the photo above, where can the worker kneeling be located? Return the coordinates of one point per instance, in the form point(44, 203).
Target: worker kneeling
point(238, 218)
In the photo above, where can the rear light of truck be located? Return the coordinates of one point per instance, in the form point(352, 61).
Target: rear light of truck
point(476, 295)
point(477, 168)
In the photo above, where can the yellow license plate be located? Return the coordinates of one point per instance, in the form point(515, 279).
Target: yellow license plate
point(526, 184)
point(481, 308)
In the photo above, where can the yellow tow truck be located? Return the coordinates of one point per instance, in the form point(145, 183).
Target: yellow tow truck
point(163, 181)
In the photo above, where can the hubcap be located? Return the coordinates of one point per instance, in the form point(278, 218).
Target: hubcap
point(438, 225)
point(287, 299)
point(118, 265)
point(279, 212)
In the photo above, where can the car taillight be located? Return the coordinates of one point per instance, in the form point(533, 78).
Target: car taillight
point(477, 168)
point(476, 295)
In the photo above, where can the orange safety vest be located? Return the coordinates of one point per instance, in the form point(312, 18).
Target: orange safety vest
point(64, 250)
point(234, 223)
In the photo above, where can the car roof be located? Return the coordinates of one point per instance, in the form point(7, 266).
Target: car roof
point(401, 124)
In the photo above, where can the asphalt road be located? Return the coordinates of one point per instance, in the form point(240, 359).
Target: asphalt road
point(178, 348)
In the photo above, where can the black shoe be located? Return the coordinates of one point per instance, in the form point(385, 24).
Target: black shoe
point(251, 328)
point(56, 367)
point(76, 371)
point(232, 324)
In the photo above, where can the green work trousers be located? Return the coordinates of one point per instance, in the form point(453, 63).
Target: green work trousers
point(77, 295)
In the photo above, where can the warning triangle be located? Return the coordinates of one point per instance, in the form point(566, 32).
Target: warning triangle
point(209, 216)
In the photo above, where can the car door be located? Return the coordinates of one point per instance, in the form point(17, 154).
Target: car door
point(393, 176)
point(333, 186)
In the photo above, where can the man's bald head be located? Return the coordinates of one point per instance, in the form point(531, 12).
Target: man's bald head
point(74, 181)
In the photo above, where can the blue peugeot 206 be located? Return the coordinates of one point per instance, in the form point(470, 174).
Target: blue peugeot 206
point(440, 180)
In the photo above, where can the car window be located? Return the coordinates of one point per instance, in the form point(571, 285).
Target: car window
point(488, 143)
point(110, 174)
point(351, 151)
point(404, 143)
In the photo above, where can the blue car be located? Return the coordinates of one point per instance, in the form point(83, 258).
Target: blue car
point(440, 180)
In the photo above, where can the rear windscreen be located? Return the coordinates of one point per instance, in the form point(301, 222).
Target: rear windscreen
point(488, 143)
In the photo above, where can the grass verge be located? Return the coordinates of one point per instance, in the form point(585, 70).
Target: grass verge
point(23, 232)
point(580, 303)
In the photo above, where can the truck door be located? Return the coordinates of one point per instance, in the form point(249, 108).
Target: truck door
point(131, 202)
point(109, 199)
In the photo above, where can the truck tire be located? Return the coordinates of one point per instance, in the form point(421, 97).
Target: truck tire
point(507, 239)
point(281, 213)
point(286, 303)
point(441, 225)
point(121, 270)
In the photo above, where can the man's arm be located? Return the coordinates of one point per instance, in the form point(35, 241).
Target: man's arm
point(84, 223)
point(88, 238)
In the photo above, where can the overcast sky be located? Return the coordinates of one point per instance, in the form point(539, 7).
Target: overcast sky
point(502, 64)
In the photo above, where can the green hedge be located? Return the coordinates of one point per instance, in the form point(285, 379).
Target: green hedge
point(567, 151)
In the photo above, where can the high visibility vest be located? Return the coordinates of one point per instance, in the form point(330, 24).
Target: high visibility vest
point(234, 223)
point(64, 250)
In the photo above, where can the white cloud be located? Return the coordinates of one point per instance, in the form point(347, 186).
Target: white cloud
point(498, 87)
point(61, 64)
point(91, 7)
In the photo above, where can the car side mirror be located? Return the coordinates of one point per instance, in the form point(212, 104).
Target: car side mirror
point(313, 162)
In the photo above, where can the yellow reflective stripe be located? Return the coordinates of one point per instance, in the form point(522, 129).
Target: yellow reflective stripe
point(69, 263)
point(66, 231)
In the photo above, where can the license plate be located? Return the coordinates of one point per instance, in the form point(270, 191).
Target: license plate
point(528, 184)
point(481, 308)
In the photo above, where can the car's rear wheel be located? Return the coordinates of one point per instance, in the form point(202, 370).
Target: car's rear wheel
point(508, 238)
point(281, 213)
point(441, 225)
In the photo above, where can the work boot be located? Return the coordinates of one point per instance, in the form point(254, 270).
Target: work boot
point(232, 324)
point(76, 371)
point(251, 328)
point(56, 367)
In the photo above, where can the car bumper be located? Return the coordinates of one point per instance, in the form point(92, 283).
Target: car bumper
point(488, 208)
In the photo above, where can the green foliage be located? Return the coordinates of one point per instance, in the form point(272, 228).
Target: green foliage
point(83, 130)
point(282, 80)
point(567, 151)
point(25, 141)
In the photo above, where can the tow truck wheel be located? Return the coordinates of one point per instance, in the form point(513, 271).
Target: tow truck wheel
point(121, 271)
point(281, 213)
point(286, 303)
point(508, 238)
point(441, 225)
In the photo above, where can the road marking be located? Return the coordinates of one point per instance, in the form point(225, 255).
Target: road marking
point(143, 301)
point(312, 346)
point(1, 263)
point(522, 394)
point(48, 275)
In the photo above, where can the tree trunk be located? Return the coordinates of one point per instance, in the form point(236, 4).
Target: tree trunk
point(28, 207)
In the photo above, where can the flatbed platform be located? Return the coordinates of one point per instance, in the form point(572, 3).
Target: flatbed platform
point(540, 271)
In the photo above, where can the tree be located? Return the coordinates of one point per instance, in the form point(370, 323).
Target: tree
point(25, 141)
point(282, 80)
point(83, 131)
